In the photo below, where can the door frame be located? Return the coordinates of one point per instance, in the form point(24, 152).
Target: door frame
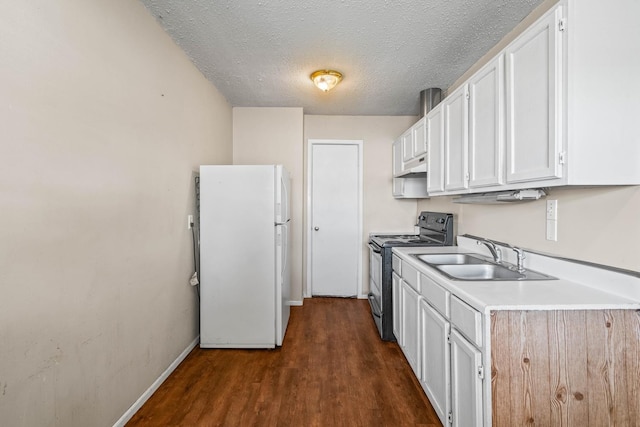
point(308, 235)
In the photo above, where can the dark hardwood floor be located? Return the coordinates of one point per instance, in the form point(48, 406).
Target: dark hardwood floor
point(332, 370)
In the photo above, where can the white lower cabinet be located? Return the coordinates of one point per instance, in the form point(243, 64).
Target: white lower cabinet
point(409, 323)
point(466, 382)
point(441, 338)
point(395, 300)
point(435, 363)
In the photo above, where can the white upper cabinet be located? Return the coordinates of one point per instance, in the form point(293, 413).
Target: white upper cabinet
point(407, 145)
point(414, 147)
point(456, 115)
point(486, 125)
point(558, 106)
point(435, 148)
point(410, 163)
point(533, 73)
point(397, 157)
point(419, 137)
point(602, 65)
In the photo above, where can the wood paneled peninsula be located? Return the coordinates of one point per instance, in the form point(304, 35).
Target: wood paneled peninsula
point(562, 351)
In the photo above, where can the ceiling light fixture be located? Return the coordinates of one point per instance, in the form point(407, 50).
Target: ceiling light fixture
point(326, 80)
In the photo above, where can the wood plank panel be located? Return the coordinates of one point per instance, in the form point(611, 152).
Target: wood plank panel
point(332, 370)
point(500, 370)
point(529, 365)
point(607, 382)
point(632, 339)
point(592, 373)
point(567, 367)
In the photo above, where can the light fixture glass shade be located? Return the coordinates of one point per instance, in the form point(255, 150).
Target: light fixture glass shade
point(326, 80)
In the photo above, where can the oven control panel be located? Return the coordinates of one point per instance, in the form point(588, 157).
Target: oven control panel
point(435, 221)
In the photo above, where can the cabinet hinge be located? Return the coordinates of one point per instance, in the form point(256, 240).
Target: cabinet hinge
point(466, 176)
point(561, 24)
point(561, 157)
point(450, 417)
point(481, 372)
point(467, 94)
point(449, 338)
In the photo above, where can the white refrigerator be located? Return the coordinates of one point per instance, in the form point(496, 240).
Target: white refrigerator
point(244, 256)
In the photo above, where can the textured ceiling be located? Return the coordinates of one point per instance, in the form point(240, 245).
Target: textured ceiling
point(260, 53)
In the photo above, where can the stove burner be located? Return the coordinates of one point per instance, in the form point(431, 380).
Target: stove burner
point(401, 237)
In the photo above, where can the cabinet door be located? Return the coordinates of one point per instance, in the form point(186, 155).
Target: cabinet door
point(407, 145)
point(486, 125)
point(435, 148)
point(398, 187)
point(455, 140)
point(466, 382)
point(434, 360)
point(395, 301)
point(533, 75)
point(397, 157)
point(419, 137)
point(410, 300)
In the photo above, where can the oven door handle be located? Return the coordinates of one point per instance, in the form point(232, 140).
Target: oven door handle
point(374, 306)
point(374, 248)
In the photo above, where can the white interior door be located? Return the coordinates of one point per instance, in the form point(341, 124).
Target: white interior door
point(335, 188)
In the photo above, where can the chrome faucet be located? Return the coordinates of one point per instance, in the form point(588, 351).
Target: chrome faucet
point(520, 258)
point(495, 251)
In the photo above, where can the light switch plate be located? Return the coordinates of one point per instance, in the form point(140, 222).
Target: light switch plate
point(552, 210)
point(552, 220)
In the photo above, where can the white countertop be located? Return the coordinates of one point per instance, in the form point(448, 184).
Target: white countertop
point(561, 294)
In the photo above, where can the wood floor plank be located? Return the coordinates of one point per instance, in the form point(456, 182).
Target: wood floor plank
point(332, 370)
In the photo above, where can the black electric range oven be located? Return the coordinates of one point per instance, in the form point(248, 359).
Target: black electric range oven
point(436, 229)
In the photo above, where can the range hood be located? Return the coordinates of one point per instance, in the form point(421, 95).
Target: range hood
point(415, 167)
point(501, 197)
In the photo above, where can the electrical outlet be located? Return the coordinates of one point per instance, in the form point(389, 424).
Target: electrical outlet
point(552, 230)
point(189, 222)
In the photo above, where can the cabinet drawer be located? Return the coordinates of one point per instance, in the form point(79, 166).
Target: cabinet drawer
point(467, 320)
point(435, 294)
point(397, 264)
point(410, 275)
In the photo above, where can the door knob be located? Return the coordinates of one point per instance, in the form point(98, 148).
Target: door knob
point(316, 228)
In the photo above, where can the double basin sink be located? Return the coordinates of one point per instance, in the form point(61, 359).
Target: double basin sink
point(471, 267)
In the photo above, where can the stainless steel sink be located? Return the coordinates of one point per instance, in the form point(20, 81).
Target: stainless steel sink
point(469, 268)
point(450, 259)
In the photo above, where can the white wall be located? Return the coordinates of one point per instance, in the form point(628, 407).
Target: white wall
point(104, 122)
point(381, 212)
point(274, 136)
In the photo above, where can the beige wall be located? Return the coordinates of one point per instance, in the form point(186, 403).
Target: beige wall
point(381, 212)
point(580, 210)
point(104, 122)
point(274, 136)
point(581, 234)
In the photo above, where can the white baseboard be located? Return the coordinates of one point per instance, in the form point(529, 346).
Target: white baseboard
point(156, 384)
point(295, 303)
